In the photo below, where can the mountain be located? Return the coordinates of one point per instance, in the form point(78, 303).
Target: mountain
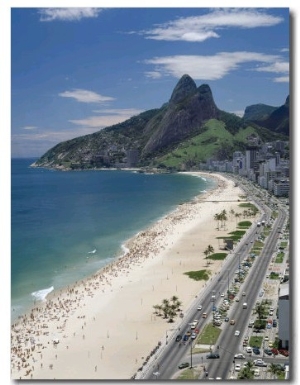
point(275, 119)
point(186, 130)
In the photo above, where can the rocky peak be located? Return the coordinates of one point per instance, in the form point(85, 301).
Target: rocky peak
point(185, 87)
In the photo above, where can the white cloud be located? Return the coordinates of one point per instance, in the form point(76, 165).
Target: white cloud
point(208, 67)
point(68, 14)
point(85, 96)
point(108, 118)
point(29, 128)
point(201, 28)
point(153, 74)
point(217, 66)
point(282, 79)
point(277, 67)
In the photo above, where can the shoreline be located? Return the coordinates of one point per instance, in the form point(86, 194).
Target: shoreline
point(103, 327)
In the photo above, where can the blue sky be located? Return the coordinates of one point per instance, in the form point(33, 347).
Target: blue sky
point(75, 71)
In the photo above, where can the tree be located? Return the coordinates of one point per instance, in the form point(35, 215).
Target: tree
point(274, 370)
point(217, 218)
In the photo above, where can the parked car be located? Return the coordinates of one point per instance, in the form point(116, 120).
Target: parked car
point(213, 355)
point(226, 319)
point(268, 351)
point(248, 349)
point(256, 372)
point(274, 323)
point(237, 367)
point(193, 336)
point(179, 338)
point(284, 352)
point(185, 337)
point(256, 350)
point(274, 351)
point(183, 365)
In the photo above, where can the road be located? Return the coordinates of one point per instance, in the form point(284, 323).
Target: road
point(173, 354)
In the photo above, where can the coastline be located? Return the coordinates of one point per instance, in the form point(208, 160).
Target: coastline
point(103, 327)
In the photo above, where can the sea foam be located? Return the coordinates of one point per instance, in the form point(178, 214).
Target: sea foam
point(41, 295)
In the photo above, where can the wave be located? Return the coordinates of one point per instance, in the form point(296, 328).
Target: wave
point(125, 249)
point(92, 252)
point(41, 295)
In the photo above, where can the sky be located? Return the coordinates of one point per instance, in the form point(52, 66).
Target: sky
point(77, 70)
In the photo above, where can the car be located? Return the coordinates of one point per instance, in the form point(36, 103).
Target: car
point(248, 349)
point(243, 294)
point(237, 333)
point(250, 324)
point(188, 333)
point(284, 352)
point(274, 351)
point(193, 336)
point(226, 319)
point(204, 315)
point(274, 323)
point(269, 326)
point(179, 338)
point(186, 337)
point(183, 365)
point(199, 307)
point(222, 295)
point(197, 330)
point(256, 351)
point(237, 299)
point(232, 322)
point(212, 355)
point(239, 356)
point(260, 362)
point(268, 351)
point(214, 308)
point(237, 367)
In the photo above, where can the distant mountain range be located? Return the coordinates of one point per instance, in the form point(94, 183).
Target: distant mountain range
point(186, 130)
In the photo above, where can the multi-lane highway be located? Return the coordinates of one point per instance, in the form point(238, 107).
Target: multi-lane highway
point(228, 344)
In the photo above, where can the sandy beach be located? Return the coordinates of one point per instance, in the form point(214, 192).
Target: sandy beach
point(104, 327)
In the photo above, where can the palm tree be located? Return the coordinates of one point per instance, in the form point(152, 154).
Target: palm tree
point(210, 249)
point(217, 218)
point(273, 369)
point(224, 218)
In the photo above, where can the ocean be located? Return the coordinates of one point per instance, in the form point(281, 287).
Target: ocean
point(67, 225)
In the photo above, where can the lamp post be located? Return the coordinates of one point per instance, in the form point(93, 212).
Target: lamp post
point(228, 284)
point(191, 342)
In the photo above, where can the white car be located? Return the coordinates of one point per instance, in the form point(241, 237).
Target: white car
point(239, 356)
point(256, 372)
point(199, 307)
point(237, 367)
point(222, 295)
point(237, 333)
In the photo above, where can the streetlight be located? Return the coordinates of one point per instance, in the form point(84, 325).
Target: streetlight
point(228, 284)
point(191, 342)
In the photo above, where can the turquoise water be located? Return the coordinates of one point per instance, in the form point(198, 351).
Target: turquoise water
point(67, 225)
